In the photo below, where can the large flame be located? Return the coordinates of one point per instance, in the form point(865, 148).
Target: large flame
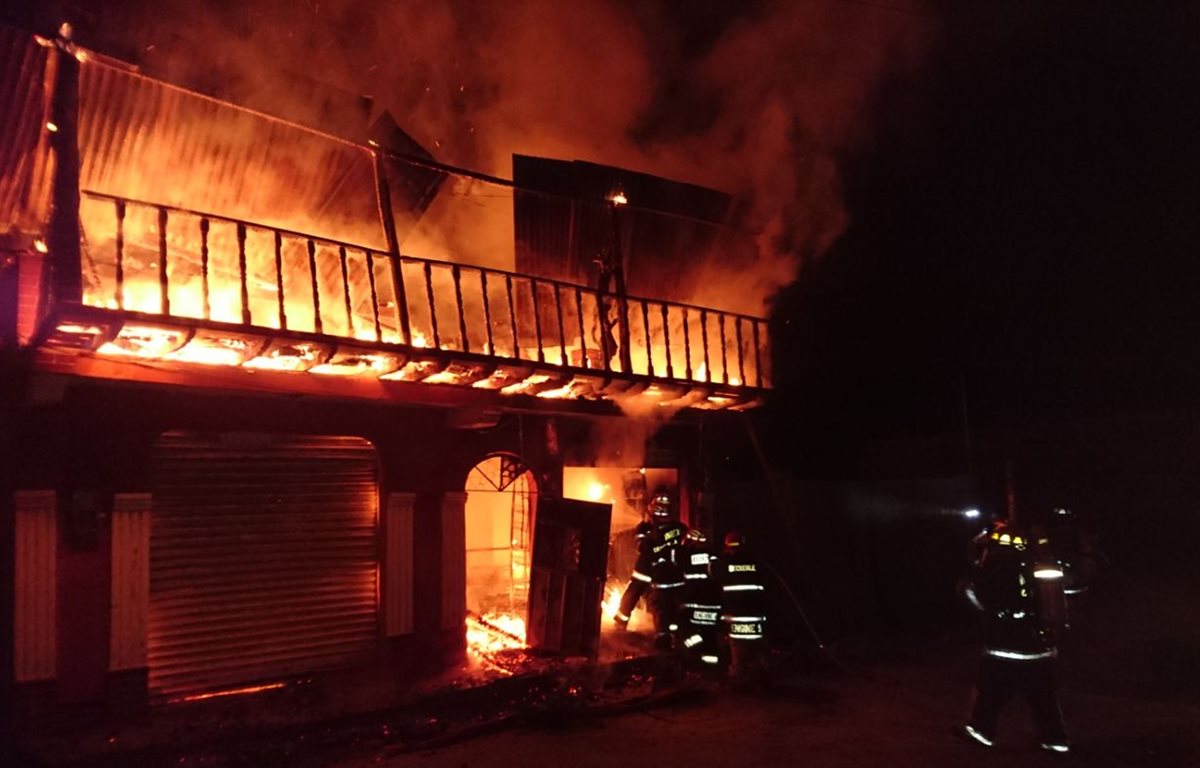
point(351, 293)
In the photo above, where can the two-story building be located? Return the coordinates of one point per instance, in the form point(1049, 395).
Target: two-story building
point(249, 437)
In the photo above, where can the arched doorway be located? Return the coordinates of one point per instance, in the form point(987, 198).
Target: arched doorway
point(501, 503)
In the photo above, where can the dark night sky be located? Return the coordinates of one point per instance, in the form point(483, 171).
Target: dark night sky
point(1025, 218)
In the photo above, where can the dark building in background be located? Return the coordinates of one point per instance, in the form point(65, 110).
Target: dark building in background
point(564, 226)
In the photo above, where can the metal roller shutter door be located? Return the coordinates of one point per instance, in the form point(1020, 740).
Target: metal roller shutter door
point(263, 559)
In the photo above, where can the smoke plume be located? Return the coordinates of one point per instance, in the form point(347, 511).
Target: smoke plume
point(758, 100)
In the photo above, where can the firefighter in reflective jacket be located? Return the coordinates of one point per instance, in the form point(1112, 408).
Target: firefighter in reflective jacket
point(1077, 549)
point(639, 582)
point(701, 609)
point(658, 571)
point(743, 609)
point(1017, 588)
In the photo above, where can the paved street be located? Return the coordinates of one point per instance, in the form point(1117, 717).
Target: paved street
point(893, 714)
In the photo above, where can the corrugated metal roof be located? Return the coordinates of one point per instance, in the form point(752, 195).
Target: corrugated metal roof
point(148, 140)
point(24, 170)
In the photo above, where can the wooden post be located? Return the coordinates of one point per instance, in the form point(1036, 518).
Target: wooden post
point(63, 237)
point(383, 197)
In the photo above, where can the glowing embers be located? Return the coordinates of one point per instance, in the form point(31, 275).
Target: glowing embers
point(578, 387)
point(717, 401)
point(416, 370)
point(492, 639)
point(242, 691)
point(78, 335)
point(461, 374)
point(284, 355)
point(349, 361)
point(147, 341)
point(215, 348)
point(670, 396)
point(533, 384)
point(504, 376)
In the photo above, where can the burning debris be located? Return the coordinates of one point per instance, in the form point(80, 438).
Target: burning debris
point(496, 642)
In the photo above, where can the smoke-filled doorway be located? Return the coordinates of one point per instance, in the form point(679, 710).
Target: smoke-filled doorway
point(627, 489)
point(501, 502)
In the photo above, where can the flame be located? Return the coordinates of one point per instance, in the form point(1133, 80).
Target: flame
point(611, 604)
point(217, 350)
point(338, 284)
point(596, 490)
point(663, 340)
point(524, 386)
point(147, 341)
point(492, 633)
point(357, 363)
point(79, 329)
point(299, 356)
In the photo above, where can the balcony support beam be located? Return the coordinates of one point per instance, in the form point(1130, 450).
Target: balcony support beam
point(63, 238)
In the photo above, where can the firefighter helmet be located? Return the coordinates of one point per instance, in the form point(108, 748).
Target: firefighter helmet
point(1004, 534)
point(697, 537)
point(662, 506)
point(734, 541)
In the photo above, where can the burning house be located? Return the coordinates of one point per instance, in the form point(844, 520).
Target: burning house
point(256, 432)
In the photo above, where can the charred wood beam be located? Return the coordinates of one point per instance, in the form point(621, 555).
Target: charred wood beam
point(164, 284)
point(242, 277)
point(383, 197)
point(667, 340)
point(737, 324)
point(346, 290)
point(583, 350)
point(487, 312)
point(205, 295)
point(279, 279)
point(537, 320)
point(687, 347)
point(316, 292)
point(370, 257)
point(63, 238)
point(724, 363)
point(456, 273)
point(758, 371)
point(120, 276)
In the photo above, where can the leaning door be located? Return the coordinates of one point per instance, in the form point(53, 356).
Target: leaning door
point(570, 558)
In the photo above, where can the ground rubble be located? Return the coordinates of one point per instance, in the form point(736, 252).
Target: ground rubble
point(305, 724)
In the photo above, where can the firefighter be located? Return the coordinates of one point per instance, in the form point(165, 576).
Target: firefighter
point(640, 580)
point(658, 574)
point(702, 599)
point(743, 610)
point(1077, 549)
point(1017, 589)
